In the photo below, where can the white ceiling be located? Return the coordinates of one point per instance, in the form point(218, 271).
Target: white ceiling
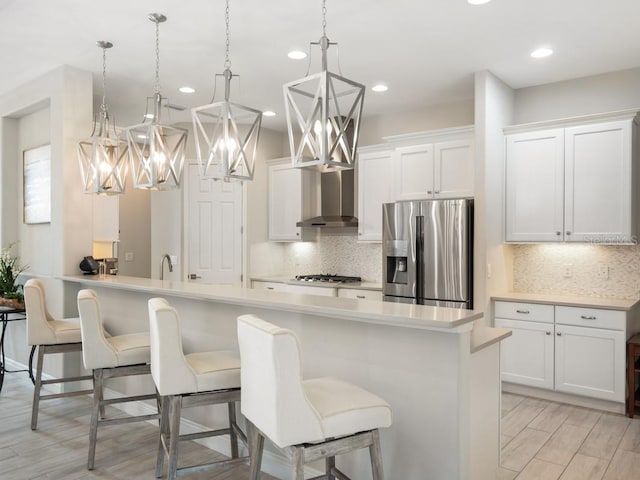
point(425, 50)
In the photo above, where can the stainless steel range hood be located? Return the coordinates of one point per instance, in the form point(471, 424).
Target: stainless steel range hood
point(337, 200)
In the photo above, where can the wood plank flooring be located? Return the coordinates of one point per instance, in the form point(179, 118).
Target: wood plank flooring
point(544, 440)
point(58, 449)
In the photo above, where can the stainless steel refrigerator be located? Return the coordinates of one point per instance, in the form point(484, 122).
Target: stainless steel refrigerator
point(427, 252)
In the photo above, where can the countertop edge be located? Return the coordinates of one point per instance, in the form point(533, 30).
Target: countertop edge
point(620, 304)
point(483, 337)
point(349, 309)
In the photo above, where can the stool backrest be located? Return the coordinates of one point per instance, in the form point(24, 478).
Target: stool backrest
point(272, 394)
point(170, 370)
point(39, 332)
point(96, 351)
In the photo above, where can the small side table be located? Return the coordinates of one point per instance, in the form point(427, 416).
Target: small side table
point(9, 314)
point(633, 369)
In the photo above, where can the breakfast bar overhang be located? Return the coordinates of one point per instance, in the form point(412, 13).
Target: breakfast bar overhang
point(439, 373)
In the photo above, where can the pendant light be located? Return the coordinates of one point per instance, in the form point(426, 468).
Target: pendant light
point(224, 149)
point(102, 156)
point(156, 151)
point(323, 115)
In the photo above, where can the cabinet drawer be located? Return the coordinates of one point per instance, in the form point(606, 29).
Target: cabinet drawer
point(322, 291)
point(273, 286)
point(591, 317)
point(533, 312)
point(360, 294)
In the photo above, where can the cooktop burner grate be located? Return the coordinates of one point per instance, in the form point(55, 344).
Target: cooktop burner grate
point(327, 278)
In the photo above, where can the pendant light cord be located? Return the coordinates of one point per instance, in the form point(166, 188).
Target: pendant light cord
point(157, 84)
point(227, 59)
point(103, 107)
point(324, 18)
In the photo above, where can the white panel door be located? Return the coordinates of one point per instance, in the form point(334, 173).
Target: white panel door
point(414, 172)
point(454, 174)
point(215, 230)
point(526, 357)
point(590, 362)
point(535, 186)
point(598, 182)
point(374, 189)
point(285, 202)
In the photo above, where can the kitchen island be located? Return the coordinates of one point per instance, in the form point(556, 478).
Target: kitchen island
point(440, 375)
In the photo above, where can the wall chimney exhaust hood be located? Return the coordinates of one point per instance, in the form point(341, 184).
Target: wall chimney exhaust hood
point(337, 200)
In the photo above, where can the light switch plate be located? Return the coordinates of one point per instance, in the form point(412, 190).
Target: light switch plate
point(128, 257)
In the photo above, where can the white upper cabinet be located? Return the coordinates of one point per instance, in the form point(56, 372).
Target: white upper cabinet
point(437, 164)
point(374, 189)
point(291, 199)
point(573, 182)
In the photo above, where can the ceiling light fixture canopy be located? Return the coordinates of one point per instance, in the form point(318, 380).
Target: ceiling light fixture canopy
point(323, 115)
point(102, 156)
point(156, 151)
point(226, 133)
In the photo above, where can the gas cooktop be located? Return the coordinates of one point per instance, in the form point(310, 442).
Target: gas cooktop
point(327, 278)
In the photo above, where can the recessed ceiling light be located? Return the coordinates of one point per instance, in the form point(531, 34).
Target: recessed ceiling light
point(269, 113)
point(541, 52)
point(148, 115)
point(187, 89)
point(296, 55)
point(478, 2)
point(379, 87)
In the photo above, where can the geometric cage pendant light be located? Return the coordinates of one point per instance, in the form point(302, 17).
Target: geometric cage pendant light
point(156, 151)
point(226, 133)
point(102, 157)
point(323, 116)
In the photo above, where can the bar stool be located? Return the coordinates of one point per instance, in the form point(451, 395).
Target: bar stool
point(50, 336)
point(633, 368)
point(110, 357)
point(204, 378)
point(311, 419)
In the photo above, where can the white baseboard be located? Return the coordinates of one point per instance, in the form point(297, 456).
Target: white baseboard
point(562, 397)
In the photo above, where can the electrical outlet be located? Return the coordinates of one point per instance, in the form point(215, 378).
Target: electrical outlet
point(128, 257)
point(567, 270)
point(603, 271)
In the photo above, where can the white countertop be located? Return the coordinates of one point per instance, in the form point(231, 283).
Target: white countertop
point(384, 313)
point(293, 281)
point(570, 300)
point(482, 337)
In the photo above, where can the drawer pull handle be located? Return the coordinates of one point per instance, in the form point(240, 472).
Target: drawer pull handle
point(547, 332)
point(269, 288)
point(360, 296)
point(559, 334)
point(587, 317)
point(526, 312)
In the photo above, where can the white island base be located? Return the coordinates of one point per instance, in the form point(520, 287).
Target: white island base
point(441, 380)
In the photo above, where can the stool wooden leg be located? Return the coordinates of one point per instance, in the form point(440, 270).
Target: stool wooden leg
point(232, 435)
point(330, 464)
point(174, 435)
point(376, 456)
point(256, 445)
point(164, 433)
point(631, 384)
point(36, 389)
point(101, 407)
point(98, 375)
point(297, 463)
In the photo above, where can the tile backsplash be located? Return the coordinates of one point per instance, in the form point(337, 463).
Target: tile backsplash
point(589, 270)
point(334, 254)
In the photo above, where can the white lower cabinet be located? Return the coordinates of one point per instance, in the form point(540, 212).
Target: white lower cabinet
point(583, 355)
point(360, 294)
point(285, 287)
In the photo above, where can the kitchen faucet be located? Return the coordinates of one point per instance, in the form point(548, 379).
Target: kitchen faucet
point(166, 255)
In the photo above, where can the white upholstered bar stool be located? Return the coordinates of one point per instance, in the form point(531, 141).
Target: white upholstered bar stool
point(195, 379)
point(50, 336)
point(110, 357)
point(311, 419)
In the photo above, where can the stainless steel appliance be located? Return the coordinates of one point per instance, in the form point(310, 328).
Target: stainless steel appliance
point(428, 252)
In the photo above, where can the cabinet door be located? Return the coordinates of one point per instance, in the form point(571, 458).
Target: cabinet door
point(590, 362)
point(598, 182)
point(374, 189)
point(526, 357)
point(285, 202)
point(534, 186)
point(454, 174)
point(414, 172)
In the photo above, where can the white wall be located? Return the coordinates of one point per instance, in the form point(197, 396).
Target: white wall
point(494, 110)
point(135, 231)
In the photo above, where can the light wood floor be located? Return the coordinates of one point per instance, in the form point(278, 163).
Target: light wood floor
point(58, 449)
point(548, 441)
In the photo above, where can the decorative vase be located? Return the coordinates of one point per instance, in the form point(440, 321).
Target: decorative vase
point(11, 302)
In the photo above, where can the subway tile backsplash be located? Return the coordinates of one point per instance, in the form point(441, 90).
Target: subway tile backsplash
point(588, 270)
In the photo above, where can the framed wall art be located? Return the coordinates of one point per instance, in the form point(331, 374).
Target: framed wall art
point(37, 184)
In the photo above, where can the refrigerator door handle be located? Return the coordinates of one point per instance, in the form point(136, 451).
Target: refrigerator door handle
point(419, 254)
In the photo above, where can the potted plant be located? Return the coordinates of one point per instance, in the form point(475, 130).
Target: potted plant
point(10, 291)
